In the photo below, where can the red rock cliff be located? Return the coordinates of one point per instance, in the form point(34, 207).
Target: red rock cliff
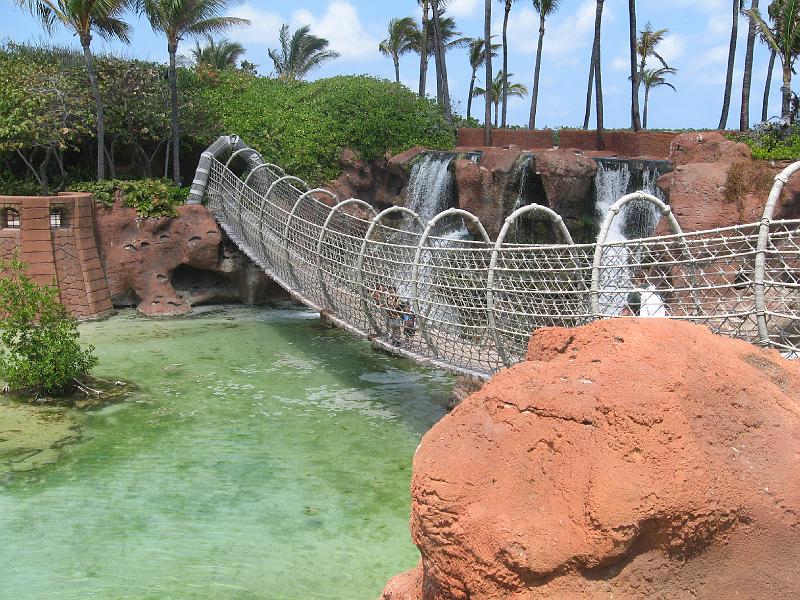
point(624, 460)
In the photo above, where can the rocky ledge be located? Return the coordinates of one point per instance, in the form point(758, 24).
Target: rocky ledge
point(638, 459)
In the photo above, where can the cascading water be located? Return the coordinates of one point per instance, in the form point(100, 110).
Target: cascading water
point(431, 190)
point(616, 178)
point(431, 186)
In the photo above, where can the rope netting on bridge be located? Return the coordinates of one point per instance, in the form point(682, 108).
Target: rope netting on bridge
point(476, 301)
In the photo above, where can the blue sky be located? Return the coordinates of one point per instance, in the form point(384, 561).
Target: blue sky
point(697, 45)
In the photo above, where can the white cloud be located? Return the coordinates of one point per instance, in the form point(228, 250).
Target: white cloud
point(341, 26)
point(263, 29)
point(574, 30)
point(671, 49)
point(463, 8)
point(621, 63)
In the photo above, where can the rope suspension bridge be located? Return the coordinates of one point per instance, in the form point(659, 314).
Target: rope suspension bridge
point(477, 301)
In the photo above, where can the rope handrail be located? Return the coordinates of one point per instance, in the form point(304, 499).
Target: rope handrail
point(474, 303)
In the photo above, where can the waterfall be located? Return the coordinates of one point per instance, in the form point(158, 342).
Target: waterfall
point(616, 178)
point(431, 186)
point(520, 176)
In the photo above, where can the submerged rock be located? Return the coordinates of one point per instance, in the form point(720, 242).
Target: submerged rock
point(32, 436)
point(637, 459)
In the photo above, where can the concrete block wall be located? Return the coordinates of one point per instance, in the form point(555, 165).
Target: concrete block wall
point(65, 255)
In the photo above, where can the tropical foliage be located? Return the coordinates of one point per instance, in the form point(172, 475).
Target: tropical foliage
point(783, 37)
point(300, 53)
point(178, 19)
point(40, 351)
point(82, 18)
point(219, 55)
point(150, 197)
point(402, 37)
point(303, 126)
point(495, 93)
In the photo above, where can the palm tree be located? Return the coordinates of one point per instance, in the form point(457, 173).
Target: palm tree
point(506, 14)
point(767, 86)
point(177, 19)
point(487, 43)
point(636, 121)
point(594, 72)
point(747, 79)
point(442, 85)
point(647, 44)
point(598, 81)
point(83, 17)
point(221, 55)
point(424, 39)
point(495, 93)
point(654, 78)
point(300, 53)
point(477, 57)
point(726, 100)
point(784, 40)
point(545, 8)
point(423, 49)
point(400, 41)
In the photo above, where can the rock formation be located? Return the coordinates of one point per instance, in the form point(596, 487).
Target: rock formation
point(641, 459)
point(487, 189)
point(380, 182)
point(716, 183)
point(164, 266)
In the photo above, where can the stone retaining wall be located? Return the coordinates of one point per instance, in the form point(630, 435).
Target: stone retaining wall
point(650, 144)
point(66, 255)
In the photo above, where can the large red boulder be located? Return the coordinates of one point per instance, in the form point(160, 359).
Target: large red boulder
point(643, 459)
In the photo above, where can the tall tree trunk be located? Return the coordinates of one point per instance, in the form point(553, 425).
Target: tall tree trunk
point(636, 123)
point(767, 86)
point(598, 80)
point(437, 57)
point(471, 93)
point(487, 41)
point(726, 101)
point(172, 48)
point(396, 68)
point(437, 25)
point(496, 113)
point(786, 92)
point(98, 106)
point(505, 62)
point(537, 71)
point(744, 115)
point(423, 55)
point(588, 112)
point(646, 104)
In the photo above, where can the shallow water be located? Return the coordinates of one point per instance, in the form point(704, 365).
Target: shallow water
point(263, 456)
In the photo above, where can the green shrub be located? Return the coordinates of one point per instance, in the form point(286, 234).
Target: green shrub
point(304, 126)
point(17, 186)
point(40, 351)
point(771, 144)
point(150, 197)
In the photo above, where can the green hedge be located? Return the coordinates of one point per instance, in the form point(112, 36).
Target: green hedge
point(304, 126)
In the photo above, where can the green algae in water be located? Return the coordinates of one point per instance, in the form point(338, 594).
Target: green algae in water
point(262, 456)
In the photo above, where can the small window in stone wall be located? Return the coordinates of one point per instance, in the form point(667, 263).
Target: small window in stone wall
point(10, 218)
point(57, 217)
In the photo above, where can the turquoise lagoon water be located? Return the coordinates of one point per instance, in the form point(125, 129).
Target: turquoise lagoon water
point(262, 456)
